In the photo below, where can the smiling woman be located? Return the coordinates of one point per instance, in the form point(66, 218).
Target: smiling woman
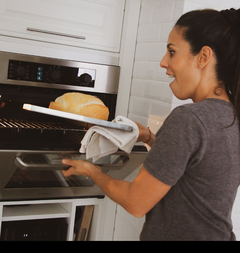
point(220, 32)
point(203, 167)
point(195, 75)
point(188, 182)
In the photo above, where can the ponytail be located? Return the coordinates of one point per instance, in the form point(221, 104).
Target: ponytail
point(233, 17)
point(221, 32)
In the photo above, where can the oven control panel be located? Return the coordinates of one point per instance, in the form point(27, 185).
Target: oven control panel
point(45, 73)
point(53, 73)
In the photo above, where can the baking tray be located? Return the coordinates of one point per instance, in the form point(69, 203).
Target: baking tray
point(72, 116)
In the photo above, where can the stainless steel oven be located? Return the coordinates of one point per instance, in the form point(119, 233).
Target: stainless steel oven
point(32, 145)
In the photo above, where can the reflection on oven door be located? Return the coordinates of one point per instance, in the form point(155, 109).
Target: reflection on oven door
point(45, 170)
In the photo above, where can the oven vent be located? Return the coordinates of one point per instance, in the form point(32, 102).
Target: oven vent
point(7, 123)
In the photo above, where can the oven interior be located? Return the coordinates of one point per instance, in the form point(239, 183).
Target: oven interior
point(24, 130)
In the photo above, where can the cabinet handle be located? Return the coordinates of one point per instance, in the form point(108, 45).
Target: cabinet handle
point(56, 33)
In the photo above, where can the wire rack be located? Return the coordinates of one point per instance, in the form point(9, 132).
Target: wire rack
point(25, 124)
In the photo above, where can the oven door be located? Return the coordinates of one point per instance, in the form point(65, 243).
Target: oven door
point(38, 174)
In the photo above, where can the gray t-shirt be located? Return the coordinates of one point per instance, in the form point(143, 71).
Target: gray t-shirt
point(196, 152)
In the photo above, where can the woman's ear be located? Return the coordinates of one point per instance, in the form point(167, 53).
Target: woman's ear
point(205, 56)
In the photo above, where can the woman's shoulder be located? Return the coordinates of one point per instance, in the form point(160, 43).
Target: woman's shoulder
point(210, 112)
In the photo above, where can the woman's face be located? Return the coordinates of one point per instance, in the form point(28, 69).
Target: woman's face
point(182, 66)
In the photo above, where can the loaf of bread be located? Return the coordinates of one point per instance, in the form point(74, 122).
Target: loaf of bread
point(81, 104)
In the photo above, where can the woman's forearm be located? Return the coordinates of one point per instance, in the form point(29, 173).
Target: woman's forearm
point(117, 190)
point(137, 197)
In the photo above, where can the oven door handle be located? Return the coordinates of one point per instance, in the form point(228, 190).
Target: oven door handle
point(38, 167)
point(117, 164)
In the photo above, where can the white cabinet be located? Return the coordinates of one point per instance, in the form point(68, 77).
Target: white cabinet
point(94, 24)
point(55, 209)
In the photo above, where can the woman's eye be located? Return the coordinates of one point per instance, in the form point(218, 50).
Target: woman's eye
point(171, 52)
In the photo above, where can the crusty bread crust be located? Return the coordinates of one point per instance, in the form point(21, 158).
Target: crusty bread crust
point(81, 104)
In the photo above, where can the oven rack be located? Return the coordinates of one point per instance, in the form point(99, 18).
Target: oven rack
point(8, 123)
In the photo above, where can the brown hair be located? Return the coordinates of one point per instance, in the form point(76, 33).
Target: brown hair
point(219, 30)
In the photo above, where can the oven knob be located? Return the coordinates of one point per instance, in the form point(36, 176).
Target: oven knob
point(54, 75)
point(21, 71)
point(85, 78)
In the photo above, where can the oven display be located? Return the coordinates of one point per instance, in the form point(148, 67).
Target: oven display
point(44, 73)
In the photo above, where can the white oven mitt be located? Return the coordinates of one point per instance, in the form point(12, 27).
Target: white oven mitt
point(101, 141)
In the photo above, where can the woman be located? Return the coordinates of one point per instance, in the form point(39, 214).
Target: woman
point(188, 182)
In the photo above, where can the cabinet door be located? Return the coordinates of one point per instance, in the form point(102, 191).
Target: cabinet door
point(95, 24)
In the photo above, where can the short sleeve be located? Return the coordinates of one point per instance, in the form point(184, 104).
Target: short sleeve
point(180, 143)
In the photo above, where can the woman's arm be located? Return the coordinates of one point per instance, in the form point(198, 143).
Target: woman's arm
point(138, 197)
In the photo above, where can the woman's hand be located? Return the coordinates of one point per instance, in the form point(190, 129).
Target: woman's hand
point(79, 167)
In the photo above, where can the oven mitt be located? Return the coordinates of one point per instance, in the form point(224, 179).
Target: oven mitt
point(101, 141)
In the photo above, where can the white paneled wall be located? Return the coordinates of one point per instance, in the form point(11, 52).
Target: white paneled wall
point(151, 99)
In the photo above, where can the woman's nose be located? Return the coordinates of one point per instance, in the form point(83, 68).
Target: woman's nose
point(163, 63)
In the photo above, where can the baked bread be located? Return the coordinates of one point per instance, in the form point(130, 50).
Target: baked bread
point(82, 104)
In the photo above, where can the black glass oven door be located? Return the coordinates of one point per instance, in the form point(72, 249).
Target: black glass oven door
point(36, 170)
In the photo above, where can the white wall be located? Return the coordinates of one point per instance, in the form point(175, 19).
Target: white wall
point(151, 99)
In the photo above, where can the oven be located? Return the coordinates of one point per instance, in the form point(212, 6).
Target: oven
point(32, 145)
